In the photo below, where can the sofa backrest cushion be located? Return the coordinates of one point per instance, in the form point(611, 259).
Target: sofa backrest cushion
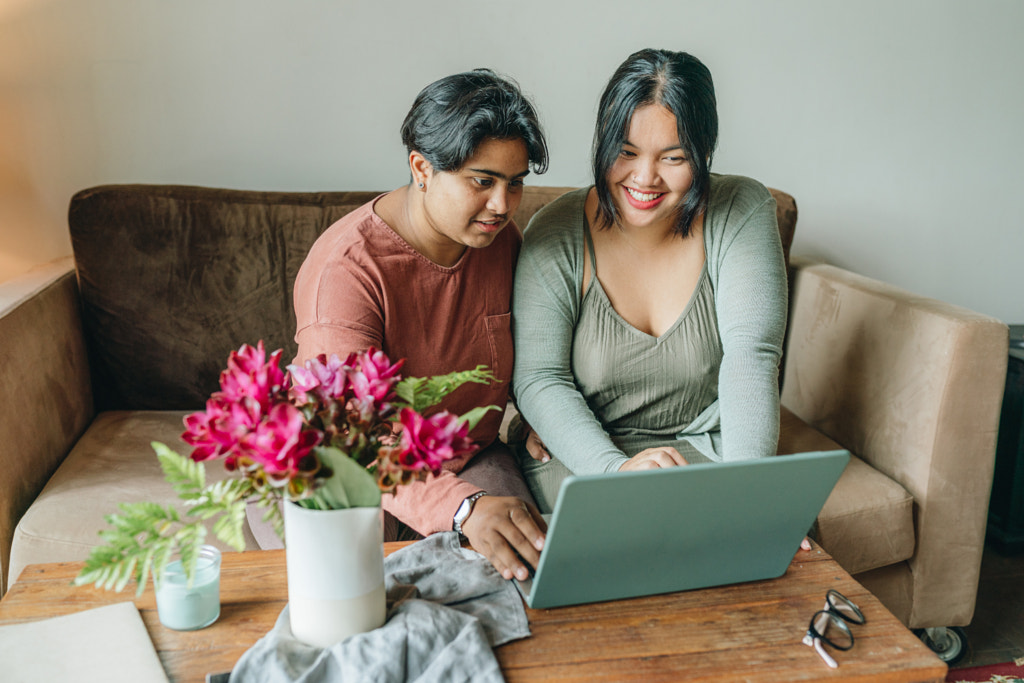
point(172, 278)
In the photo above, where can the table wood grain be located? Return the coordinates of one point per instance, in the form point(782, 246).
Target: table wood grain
point(744, 632)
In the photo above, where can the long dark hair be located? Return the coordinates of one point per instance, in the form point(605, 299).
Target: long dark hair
point(681, 83)
point(452, 116)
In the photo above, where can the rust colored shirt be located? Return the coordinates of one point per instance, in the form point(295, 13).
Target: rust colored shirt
point(362, 285)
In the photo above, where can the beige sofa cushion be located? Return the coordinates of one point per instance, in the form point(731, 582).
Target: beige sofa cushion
point(868, 520)
point(112, 463)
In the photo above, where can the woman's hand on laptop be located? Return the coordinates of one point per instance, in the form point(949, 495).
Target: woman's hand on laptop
point(653, 458)
point(507, 531)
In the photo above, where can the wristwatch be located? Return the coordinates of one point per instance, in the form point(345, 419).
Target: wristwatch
point(462, 514)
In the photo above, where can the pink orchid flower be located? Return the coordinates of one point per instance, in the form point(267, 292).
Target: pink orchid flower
point(218, 430)
point(426, 443)
point(279, 443)
point(250, 374)
point(268, 424)
point(325, 378)
point(373, 381)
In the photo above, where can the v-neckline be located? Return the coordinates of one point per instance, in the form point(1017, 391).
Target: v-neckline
point(596, 284)
point(595, 280)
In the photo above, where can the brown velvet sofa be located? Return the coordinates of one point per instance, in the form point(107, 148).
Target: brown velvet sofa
point(107, 353)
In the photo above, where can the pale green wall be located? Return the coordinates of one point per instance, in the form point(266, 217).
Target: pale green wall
point(898, 125)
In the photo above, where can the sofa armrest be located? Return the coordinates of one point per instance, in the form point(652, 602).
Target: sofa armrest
point(913, 386)
point(44, 384)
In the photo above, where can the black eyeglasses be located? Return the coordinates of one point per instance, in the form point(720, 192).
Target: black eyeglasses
point(831, 626)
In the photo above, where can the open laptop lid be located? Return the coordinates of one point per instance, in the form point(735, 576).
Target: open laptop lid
point(629, 534)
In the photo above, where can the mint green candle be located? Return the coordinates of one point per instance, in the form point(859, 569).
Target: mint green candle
point(185, 608)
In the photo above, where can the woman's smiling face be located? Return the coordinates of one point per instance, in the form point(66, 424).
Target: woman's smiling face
point(652, 173)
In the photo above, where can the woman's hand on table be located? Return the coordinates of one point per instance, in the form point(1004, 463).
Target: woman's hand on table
point(653, 458)
point(507, 531)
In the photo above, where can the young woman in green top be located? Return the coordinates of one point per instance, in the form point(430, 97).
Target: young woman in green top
point(649, 309)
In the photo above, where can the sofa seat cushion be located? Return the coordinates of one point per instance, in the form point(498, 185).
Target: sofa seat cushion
point(868, 520)
point(112, 463)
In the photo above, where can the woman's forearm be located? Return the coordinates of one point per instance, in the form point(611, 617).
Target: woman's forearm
point(542, 381)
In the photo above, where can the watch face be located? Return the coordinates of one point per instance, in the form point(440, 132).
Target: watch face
point(463, 512)
point(460, 516)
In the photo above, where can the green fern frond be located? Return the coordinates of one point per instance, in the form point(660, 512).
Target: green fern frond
point(228, 527)
point(474, 416)
point(161, 554)
point(185, 476)
point(111, 567)
point(408, 388)
point(273, 514)
point(137, 519)
point(103, 563)
point(276, 519)
point(143, 538)
point(189, 540)
point(424, 392)
point(120, 574)
point(221, 497)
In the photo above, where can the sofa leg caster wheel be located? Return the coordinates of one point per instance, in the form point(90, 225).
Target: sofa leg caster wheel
point(948, 642)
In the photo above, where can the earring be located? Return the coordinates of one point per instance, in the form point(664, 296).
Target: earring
point(421, 186)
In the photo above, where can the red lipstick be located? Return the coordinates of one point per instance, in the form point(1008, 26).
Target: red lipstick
point(640, 204)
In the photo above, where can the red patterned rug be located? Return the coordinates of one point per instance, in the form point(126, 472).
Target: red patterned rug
point(1010, 672)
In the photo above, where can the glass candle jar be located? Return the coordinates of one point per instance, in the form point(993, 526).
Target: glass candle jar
point(187, 608)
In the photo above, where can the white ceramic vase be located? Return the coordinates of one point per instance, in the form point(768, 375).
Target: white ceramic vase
point(335, 562)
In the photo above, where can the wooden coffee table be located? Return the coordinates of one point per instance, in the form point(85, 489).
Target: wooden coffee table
point(746, 632)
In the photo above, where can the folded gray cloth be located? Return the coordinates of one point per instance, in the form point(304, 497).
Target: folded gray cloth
point(447, 607)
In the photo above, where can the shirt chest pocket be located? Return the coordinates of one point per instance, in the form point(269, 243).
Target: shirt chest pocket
point(499, 336)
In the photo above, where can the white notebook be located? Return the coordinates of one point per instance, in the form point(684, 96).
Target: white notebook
point(103, 644)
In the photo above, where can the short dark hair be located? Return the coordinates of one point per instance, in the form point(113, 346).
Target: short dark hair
point(681, 83)
point(452, 116)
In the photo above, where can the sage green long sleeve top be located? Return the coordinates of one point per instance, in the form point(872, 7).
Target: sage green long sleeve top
point(745, 265)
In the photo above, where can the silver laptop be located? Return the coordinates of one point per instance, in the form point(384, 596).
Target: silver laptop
point(629, 534)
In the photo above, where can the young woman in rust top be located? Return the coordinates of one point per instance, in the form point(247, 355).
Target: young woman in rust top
point(425, 273)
